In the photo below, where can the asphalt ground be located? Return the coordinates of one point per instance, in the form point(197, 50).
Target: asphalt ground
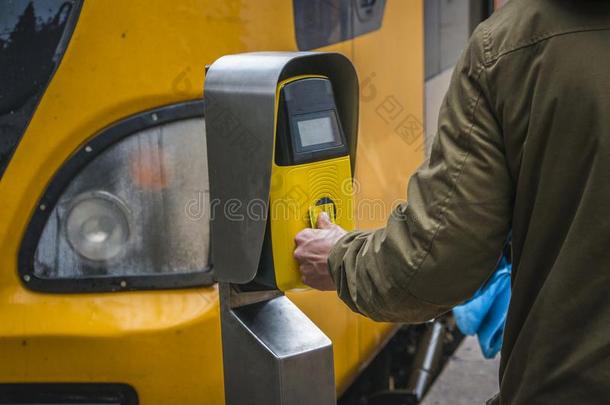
point(468, 378)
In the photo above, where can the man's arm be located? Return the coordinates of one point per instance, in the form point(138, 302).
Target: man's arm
point(438, 248)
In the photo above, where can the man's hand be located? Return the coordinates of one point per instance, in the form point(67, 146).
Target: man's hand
point(312, 249)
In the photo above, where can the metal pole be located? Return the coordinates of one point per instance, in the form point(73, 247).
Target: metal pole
point(272, 353)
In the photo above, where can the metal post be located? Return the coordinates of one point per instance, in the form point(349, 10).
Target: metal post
point(273, 354)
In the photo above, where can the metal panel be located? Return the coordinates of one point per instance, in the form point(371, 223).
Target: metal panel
point(448, 25)
point(432, 37)
point(273, 354)
point(240, 93)
point(454, 30)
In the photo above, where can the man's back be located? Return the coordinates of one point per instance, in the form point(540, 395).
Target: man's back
point(522, 148)
point(548, 66)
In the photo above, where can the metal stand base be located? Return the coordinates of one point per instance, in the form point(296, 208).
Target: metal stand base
point(273, 354)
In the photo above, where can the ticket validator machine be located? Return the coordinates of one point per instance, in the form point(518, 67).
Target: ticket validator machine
point(281, 130)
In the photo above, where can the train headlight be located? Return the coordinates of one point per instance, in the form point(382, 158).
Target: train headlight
point(97, 226)
point(129, 210)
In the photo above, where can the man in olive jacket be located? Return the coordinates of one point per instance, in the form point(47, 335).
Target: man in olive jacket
point(523, 145)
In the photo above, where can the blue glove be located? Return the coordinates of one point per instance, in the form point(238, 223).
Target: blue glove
point(485, 314)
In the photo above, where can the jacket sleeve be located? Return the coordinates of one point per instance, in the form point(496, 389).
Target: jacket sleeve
point(440, 246)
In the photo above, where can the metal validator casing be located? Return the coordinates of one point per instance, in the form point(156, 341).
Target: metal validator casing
point(273, 354)
point(240, 95)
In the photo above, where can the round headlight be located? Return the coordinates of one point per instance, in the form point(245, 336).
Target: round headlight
point(97, 225)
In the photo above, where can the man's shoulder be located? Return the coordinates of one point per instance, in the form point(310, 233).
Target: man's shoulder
point(524, 23)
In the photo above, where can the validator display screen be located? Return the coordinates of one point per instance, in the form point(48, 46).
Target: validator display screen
point(316, 131)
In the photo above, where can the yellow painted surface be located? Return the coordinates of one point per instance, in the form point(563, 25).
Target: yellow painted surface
point(126, 57)
point(391, 141)
point(295, 190)
point(299, 188)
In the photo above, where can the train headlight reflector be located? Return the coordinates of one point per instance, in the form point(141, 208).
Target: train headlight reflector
point(97, 226)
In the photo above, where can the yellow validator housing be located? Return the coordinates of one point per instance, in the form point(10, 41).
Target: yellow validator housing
point(311, 172)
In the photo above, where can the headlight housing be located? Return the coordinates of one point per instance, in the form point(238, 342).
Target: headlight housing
point(97, 226)
point(129, 210)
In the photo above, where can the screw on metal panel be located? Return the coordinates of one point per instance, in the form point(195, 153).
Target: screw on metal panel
point(123, 283)
point(26, 278)
point(154, 117)
point(88, 149)
point(43, 207)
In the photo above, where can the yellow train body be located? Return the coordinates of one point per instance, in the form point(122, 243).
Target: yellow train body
point(126, 57)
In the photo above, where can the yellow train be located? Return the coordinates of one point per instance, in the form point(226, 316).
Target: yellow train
point(89, 87)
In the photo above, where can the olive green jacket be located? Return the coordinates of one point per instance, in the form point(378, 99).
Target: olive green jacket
point(523, 144)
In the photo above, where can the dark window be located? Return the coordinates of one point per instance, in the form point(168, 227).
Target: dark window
point(68, 393)
point(320, 23)
point(33, 36)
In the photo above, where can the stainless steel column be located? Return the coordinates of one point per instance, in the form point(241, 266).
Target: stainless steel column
point(273, 354)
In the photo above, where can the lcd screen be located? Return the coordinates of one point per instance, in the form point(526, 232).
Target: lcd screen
point(316, 131)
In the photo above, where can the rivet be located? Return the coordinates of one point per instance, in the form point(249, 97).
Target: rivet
point(43, 207)
point(123, 283)
point(26, 278)
point(88, 149)
point(154, 117)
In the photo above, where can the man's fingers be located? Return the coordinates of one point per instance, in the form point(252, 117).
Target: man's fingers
point(311, 253)
point(306, 270)
point(323, 221)
point(308, 278)
point(303, 236)
point(299, 255)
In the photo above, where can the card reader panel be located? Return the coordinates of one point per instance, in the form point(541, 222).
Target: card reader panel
point(311, 172)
